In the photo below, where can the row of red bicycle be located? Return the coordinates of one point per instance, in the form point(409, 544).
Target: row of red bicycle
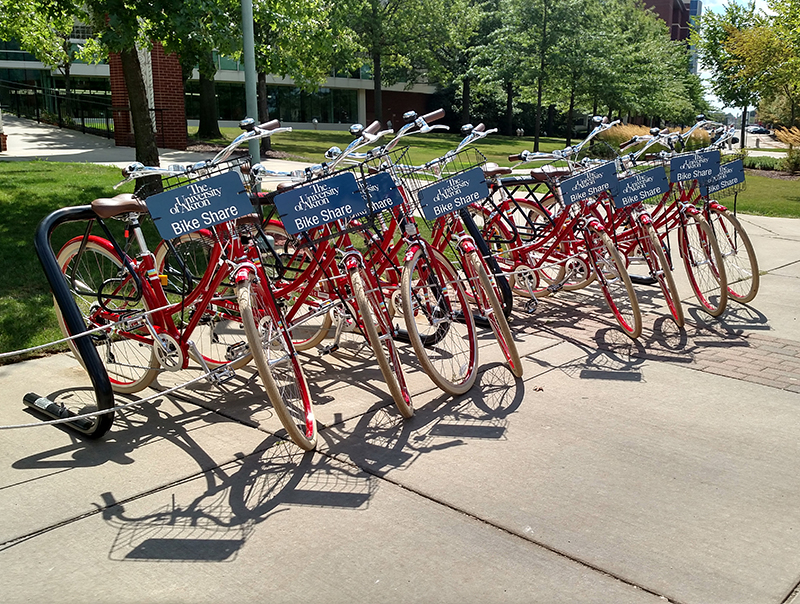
point(369, 242)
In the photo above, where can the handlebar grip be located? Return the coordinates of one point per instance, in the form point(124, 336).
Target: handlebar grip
point(433, 116)
point(373, 128)
point(479, 128)
point(628, 143)
point(515, 157)
point(270, 125)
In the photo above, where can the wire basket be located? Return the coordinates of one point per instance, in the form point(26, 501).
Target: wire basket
point(731, 180)
point(329, 205)
point(416, 179)
point(147, 187)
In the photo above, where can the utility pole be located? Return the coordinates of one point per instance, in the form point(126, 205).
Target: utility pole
point(250, 77)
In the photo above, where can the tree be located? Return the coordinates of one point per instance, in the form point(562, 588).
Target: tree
point(44, 30)
point(451, 65)
point(397, 37)
point(712, 37)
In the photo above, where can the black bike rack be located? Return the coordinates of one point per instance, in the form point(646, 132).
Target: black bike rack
point(98, 375)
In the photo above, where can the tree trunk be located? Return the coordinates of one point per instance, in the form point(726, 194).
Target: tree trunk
point(551, 118)
point(143, 134)
point(509, 108)
point(377, 90)
point(208, 127)
point(67, 90)
point(744, 125)
point(570, 114)
point(465, 100)
point(537, 127)
point(263, 109)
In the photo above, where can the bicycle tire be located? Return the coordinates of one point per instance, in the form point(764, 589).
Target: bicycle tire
point(277, 363)
point(741, 273)
point(436, 310)
point(662, 273)
point(495, 315)
point(614, 281)
point(220, 328)
point(704, 265)
point(382, 343)
point(500, 284)
point(130, 369)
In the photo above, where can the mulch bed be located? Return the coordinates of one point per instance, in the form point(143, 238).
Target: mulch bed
point(773, 174)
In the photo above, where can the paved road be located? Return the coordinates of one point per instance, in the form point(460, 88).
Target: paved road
point(616, 471)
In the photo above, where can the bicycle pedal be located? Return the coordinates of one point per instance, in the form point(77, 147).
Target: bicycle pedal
point(328, 349)
point(556, 287)
point(531, 306)
point(221, 375)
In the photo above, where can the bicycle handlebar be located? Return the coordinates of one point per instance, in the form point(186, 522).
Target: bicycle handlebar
point(251, 132)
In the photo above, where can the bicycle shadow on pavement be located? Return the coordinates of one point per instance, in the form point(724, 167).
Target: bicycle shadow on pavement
point(133, 428)
point(210, 518)
point(382, 441)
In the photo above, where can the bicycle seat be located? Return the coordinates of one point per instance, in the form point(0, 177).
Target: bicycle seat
point(492, 169)
point(546, 172)
point(108, 207)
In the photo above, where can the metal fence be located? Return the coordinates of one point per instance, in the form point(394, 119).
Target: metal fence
point(45, 105)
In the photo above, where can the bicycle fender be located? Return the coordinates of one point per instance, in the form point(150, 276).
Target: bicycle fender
point(717, 206)
point(411, 251)
point(243, 271)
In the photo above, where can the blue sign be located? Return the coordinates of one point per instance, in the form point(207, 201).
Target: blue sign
point(199, 205)
point(730, 174)
point(320, 202)
point(641, 186)
point(590, 183)
point(453, 193)
point(383, 192)
point(702, 166)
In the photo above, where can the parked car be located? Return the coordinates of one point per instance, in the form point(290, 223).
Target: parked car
point(757, 130)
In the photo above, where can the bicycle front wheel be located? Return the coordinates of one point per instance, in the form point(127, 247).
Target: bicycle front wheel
point(439, 321)
point(612, 276)
point(741, 265)
point(491, 308)
point(704, 265)
point(277, 363)
point(105, 292)
point(378, 330)
point(661, 271)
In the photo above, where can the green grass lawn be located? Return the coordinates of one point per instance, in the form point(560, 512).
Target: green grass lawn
point(28, 192)
point(31, 190)
point(768, 197)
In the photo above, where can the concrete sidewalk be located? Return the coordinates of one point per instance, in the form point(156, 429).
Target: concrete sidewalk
point(616, 471)
point(29, 140)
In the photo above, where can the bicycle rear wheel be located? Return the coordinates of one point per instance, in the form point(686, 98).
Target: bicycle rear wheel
point(614, 281)
point(741, 264)
point(104, 291)
point(378, 331)
point(704, 265)
point(491, 308)
point(277, 363)
point(661, 271)
point(439, 321)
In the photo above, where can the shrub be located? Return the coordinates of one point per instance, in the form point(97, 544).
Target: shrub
point(761, 162)
point(791, 163)
point(624, 132)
